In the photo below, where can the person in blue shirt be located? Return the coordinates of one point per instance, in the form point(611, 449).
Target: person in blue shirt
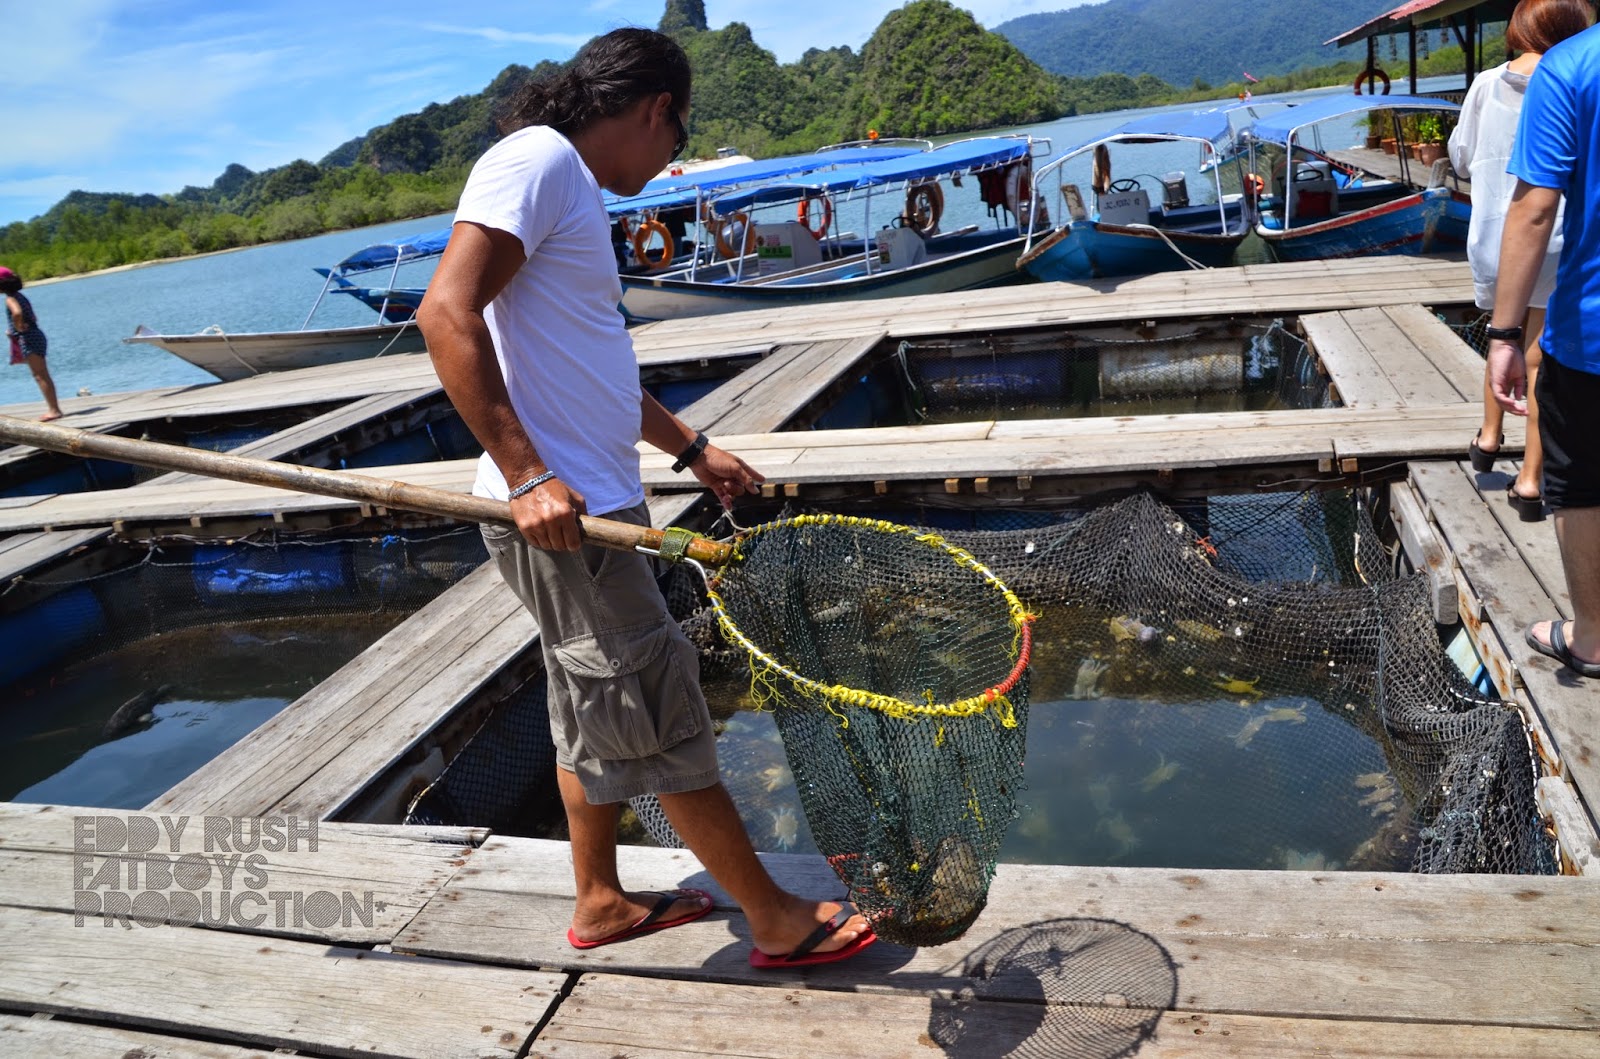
point(1557, 153)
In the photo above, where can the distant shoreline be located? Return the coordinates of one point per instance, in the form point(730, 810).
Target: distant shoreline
point(141, 264)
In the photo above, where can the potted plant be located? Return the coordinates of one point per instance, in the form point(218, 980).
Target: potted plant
point(1430, 139)
point(1374, 122)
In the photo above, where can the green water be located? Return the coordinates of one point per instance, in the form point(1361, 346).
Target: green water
point(198, 692)
point(1146, 768)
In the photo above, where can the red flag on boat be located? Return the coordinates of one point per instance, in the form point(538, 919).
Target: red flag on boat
point(1252, 80)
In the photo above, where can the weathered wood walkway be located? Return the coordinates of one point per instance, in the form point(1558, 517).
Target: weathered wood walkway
point(462, 953)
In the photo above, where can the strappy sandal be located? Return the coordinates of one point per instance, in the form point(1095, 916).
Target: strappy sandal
point(1483, 462)
point(1561, 651)
point(1528, 508)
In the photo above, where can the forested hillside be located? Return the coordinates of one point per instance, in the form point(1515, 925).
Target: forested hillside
point(1182, 41)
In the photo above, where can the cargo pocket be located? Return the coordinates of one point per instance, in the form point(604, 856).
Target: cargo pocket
point(629, 695)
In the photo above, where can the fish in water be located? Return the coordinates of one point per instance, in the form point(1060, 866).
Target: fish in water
point(134, 712)
point(1294, 860)
point(1200, 631)
point(1087, 686)
point(1288, 714)
point(1163, 772)
point(1235, 686)
point(785, 828)
point(1126, 628)
point(1119, 831)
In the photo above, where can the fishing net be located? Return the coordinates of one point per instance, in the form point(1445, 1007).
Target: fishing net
point(896, 667)
point(1273, 633)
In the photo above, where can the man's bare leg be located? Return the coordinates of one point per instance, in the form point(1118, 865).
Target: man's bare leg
point(604, 907)
point(1578, 531)
point(709, 825)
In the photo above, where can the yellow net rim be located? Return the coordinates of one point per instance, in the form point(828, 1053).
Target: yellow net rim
point(994, 698)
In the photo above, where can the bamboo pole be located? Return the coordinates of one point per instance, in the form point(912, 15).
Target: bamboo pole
point(401, 496)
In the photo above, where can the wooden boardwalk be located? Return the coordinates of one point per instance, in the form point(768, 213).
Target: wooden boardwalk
point(462, 954)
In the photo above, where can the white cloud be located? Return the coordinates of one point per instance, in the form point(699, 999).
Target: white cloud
point(510, 36)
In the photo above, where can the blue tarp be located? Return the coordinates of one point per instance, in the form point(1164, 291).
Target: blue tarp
point(672, 192)
point(387, 255)
point(955, 157)
point(1277, 127)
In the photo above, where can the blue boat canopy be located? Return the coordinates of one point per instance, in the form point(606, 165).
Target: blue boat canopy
point(959, 157)
point(673, 192)
point(387, 255)
point(1277, 127)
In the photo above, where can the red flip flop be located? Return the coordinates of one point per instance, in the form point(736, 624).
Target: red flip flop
point(651, 921)
point(803, 954)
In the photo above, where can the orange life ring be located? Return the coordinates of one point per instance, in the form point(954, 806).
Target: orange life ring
point(641, 244)
point(924, 207)
point(1254, 187)
point(1374, 74)
point(827, 214)
point(721, 228)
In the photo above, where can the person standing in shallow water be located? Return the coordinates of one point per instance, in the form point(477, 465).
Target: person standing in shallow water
point(522, 323)
point(28, 344)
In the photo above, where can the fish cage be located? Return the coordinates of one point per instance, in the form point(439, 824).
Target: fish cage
point(421, 431)
point(145, 659)
point(1219, 366)
point(1226, 682)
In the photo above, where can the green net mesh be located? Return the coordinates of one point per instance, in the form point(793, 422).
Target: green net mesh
point(896, 669)
point(1268, 638)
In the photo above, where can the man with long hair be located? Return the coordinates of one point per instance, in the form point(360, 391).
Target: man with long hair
point(522, 323)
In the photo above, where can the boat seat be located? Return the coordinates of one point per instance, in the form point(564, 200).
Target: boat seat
point(902, 246)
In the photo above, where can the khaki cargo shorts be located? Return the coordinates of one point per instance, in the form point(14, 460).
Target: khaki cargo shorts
point(626, 711)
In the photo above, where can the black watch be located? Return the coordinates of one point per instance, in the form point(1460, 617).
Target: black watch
point(690, 454)
point(1505, 334)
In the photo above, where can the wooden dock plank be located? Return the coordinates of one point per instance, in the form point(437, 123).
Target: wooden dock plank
point(318, 428)
point(286, 994)
point(1077, 1014)
point(54, 1036)
point(1513, 599)
point(400, 867)
point(1358, 380)
point(1485, 950)
point(763, 398)
point(1395, 347)
point(22, 552)
point(1434, 339)
point(1535, 541)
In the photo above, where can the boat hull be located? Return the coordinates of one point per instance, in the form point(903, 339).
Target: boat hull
point(1089, 250)
point(239, 356)
point(645, 299)
point(1406, 225)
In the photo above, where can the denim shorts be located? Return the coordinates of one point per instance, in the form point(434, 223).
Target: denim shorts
point(1567, 400)
point(626, 711)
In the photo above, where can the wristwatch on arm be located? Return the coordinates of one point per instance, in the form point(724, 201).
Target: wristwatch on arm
point(1505, 334)
point(687, 457)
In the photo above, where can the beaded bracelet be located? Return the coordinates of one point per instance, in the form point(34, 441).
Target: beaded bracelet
point(530, 485)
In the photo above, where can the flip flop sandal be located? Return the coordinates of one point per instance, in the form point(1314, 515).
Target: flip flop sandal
point(1483, 462)
point(651, 921)
point(804, 954)
point(1528, 508)
point(1558, 649)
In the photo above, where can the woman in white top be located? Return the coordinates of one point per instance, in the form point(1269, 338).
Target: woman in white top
point(1481, 146)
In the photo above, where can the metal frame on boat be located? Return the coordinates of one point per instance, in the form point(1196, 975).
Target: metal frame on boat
point(758, 265)
point(1124, 234)
point(1317, 208)
point(239, 355)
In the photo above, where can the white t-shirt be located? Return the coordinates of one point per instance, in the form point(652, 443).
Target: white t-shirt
point(1481, 147)
point(562, 344)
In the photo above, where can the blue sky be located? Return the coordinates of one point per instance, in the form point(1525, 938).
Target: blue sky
point(151, 95)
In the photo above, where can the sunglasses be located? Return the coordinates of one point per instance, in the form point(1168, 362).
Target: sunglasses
point(683, 135)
